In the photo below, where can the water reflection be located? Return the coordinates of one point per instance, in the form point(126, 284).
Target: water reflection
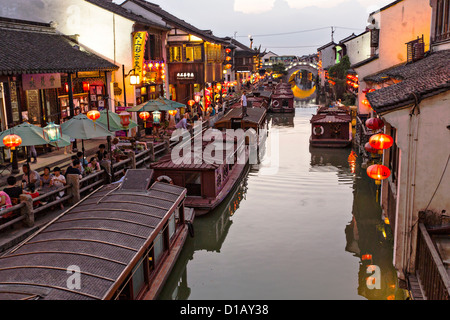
point(210, 234)
point(309, 232)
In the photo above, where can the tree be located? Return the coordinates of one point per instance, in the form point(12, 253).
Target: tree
point(338, 73)
point(279, 68)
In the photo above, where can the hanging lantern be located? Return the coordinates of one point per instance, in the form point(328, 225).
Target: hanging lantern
point(156, 117)
point(93, 115)
point(228, 50)
point(219, 86)
point(86, 86)
point(191, 102)
point(124, 119)
point(366, 257)
point(381, 141)
point(66, 87)
point(173, 112)
point(52, 132)
point(144, 115)
point(12, 141)
point(197, 98)
point(228, 66)
point(374, 123)
point(378, 172)
point(370, 149)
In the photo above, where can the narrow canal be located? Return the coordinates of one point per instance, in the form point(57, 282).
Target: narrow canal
point(308, 230)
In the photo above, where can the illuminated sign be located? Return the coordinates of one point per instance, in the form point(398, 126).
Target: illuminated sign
point(185, 76)
point(138, 52)
point(41, 81)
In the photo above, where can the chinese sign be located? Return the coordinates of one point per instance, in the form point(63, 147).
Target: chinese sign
point(41, 81)
point(138, 52)
point(185, 76)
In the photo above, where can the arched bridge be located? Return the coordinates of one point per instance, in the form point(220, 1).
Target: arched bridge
point(302, 90)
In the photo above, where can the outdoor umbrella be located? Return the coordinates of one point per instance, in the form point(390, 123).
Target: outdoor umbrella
point(114, 121)
point(170, 104)
point(32, 135)
point(81, 127)
point(149, 106)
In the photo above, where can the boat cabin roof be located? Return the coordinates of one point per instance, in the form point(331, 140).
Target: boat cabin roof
point(331, 118)
point(103, 237)
point(199, 160)
point(255, 115)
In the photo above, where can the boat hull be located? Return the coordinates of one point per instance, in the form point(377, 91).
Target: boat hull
point(322, 143)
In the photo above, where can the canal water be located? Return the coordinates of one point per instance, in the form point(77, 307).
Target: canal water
point(304, 227)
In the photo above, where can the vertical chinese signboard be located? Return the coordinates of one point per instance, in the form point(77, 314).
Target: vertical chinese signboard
point(138, 52)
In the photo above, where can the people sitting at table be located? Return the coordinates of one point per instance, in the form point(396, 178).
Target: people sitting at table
point(45, 180)
point(94, 165)
point(58, 181)
point(82, 159)
point(30, 177)
point(74, 169)
point(13, 190)
point(102, 154)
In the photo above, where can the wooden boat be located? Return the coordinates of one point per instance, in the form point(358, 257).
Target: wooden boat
point(282, 99)
point(207, 178)
point(120, 242)
point(331, 127)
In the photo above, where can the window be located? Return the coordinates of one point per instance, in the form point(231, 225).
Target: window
point(394, 157)
point(175, 54)
point(138, 278)
point(172, 226)
point(158, 247)
point(442, 25)
point(189, 54)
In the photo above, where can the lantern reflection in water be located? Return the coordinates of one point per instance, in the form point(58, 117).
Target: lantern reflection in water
point(352, 161)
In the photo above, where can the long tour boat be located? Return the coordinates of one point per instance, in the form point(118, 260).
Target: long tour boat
point(331, 127)
point(118, 243)
point(206, 170)
point(282, 99)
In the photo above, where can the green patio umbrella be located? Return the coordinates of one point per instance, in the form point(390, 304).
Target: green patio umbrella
point(114, 121)
point(149, 106)
point(81, 127)
point(32, 136)
point(170, 104)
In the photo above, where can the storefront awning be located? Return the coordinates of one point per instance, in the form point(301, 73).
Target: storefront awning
point(45, 51)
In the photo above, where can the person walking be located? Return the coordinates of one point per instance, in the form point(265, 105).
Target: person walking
point(32, 153)
point(244, 104)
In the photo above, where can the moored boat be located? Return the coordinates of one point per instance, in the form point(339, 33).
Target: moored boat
point(207, 171)
point(118, 243)
point(331, 127)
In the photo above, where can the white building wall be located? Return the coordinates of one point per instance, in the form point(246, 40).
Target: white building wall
point(358, 49)
point(422, 165)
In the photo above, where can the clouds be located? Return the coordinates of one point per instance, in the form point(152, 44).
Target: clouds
point(261, 6)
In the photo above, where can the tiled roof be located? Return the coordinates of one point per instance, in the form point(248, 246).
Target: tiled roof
point(34, 51)
point(364, 62)
point(117, 9)
point(177, 22)
point(426, 77)
point(327, 45)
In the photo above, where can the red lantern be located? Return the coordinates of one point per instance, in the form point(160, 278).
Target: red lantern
point(378, 172)
point(66, 87)
point(381, 141)
point(366, 257)
point(93, 115)
point(173, 112)
point(144, 115)
point(191, 102)
point(86, 86)
point(370, 149)
point(197, 98)
point(124, 119)
point(228, 50)
point(12, 141)
point(374, 123)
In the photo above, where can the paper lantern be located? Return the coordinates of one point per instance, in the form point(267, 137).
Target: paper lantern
point(93, 115)
point(381, 141)
point(124, 119)
point(173, 112)
point(144, 115)
point(370, 149)
point(378, 172)
point(134, 80)
point(52, 132)
point(191, 102)
point(86, 86)
point(374, 123)
point(197, 98)
point(156, 117)
point(12, 141)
